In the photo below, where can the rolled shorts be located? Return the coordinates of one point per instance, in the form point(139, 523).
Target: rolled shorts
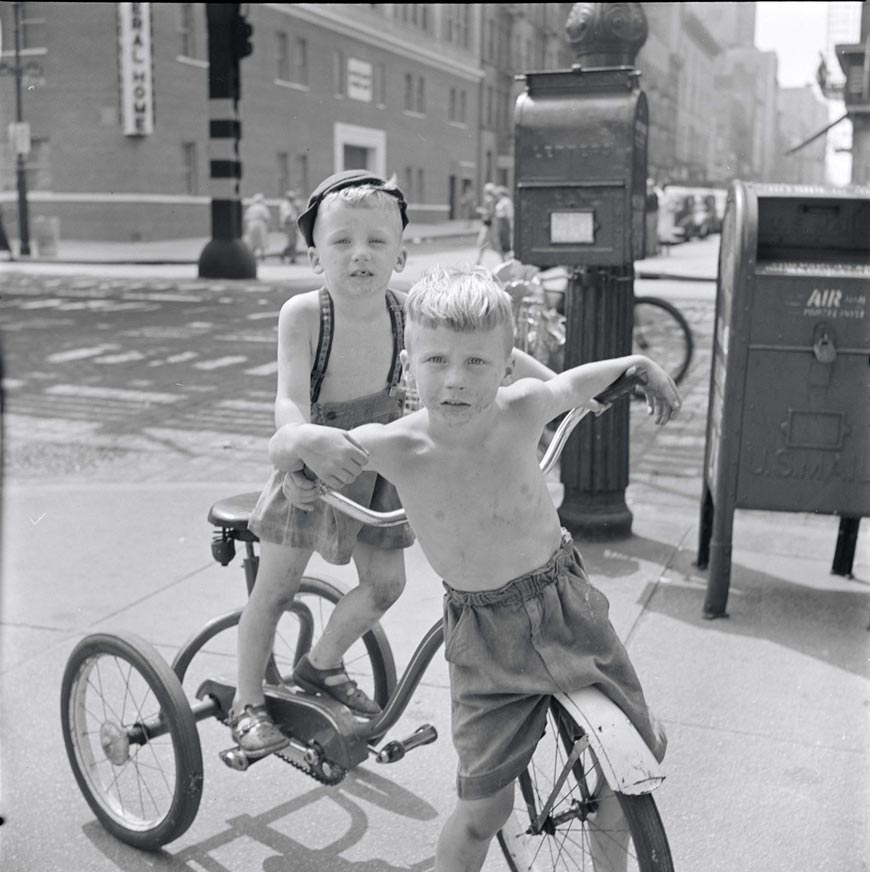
point(327, 531)
point(511, 648)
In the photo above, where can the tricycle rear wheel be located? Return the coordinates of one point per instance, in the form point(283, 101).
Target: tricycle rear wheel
point(131, 739)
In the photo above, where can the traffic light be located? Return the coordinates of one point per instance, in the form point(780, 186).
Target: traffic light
point(242, 32)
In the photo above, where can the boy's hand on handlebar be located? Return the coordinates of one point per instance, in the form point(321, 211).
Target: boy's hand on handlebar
point(301, 489)
point(334, 457)
point(662, 397)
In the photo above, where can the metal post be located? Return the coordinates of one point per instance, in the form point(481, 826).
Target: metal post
point(599, 306)
point(595, 473)
point(225, 255)
point(20, 160)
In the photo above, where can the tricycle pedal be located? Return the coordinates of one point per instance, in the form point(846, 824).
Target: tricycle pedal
point(240, 760)
point(235, 758)
point(396, 750)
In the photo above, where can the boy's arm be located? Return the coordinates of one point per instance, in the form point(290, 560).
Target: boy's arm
point(526, 366)
point(577, 386)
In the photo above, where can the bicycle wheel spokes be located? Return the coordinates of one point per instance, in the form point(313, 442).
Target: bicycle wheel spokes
point(135, 779)
point(586, 827)
point(131, 739)
point(662, 333)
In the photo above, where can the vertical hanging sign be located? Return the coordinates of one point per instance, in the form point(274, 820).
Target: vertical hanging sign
point(134, 62)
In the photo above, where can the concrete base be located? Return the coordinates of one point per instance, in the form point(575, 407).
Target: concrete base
point(596, 517)
point(227, 259)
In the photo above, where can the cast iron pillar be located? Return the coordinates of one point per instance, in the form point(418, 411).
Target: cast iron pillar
point(225, 255)
point(599, 307)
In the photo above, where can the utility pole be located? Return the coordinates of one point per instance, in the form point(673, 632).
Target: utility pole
point(20, 157)
point(229, 40)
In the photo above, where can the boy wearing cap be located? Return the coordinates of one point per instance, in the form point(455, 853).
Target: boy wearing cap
point(338, 367)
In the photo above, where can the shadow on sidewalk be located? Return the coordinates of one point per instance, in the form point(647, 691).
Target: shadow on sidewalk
point(824, 618)
point(316, 847)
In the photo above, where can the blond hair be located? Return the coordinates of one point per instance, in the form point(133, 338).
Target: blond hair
point(467, 300)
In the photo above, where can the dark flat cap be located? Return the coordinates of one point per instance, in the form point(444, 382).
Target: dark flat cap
point(346, 179)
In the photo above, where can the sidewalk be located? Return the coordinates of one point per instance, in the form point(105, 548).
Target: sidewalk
point(686, 261)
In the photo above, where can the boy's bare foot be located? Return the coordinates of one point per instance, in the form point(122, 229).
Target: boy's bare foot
point(255, 732)
point(337, 684)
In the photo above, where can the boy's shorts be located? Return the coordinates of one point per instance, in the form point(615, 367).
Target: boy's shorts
point(509, 649)
point(327, 531)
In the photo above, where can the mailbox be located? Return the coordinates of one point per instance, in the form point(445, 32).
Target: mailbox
point(580, 168)
point(788, 423)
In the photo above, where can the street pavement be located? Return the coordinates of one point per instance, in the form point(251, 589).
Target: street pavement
point(135, 395)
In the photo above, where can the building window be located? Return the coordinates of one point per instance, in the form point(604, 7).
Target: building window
point(409, 184)
point(457, 24)
point(282, 51)
point(187, 30)
point(188, 167)
point(300, 61)
point(301, 174)
point(339, 67)
point(38, 165)
point(33, 30)
point(420, 190)
point(381, 84)
point(283, 165)
point(457, 106)
point(421, 95)
point(409, 92)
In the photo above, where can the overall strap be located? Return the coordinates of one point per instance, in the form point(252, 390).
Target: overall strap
point(324, 343)
point(397, 319)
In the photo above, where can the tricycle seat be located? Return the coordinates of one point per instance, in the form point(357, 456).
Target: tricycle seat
point(233, 512)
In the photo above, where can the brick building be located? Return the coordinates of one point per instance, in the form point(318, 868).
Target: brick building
point(421, 90)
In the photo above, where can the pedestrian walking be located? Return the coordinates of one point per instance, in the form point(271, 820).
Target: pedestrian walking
point(504, 222)
point(257, 220)
point(466, 206)
point(487, 237)
point(288, 212)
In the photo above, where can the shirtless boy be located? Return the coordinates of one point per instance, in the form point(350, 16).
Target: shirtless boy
point(466, 468)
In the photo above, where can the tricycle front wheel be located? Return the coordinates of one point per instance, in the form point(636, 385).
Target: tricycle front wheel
point(131, 739)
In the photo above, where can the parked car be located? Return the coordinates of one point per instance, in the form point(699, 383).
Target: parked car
point(689, 213)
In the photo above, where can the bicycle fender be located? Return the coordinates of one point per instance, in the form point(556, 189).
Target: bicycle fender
point(626, 761)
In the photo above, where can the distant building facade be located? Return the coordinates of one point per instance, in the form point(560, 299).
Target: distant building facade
point(422, 90)
point(802, 113)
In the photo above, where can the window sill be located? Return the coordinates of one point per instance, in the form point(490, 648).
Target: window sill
point(192, 62)
point(292, 86)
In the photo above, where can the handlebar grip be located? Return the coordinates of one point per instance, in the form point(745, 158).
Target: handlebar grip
point(630, 379)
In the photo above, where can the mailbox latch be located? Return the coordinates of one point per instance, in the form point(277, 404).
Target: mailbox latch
point(823, 343)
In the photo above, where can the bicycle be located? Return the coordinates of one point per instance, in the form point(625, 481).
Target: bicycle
point(660, 329)
point(131, 733)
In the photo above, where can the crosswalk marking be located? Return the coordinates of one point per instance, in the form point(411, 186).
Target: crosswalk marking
point(220, 362)
point(94, 392)
point(123, 357)
point(246, 405)
point(265, 369)
point(80, 353)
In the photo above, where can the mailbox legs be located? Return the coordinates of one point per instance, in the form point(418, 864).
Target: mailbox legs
point(719, 551)
point(595, 463)
point(847, 541)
